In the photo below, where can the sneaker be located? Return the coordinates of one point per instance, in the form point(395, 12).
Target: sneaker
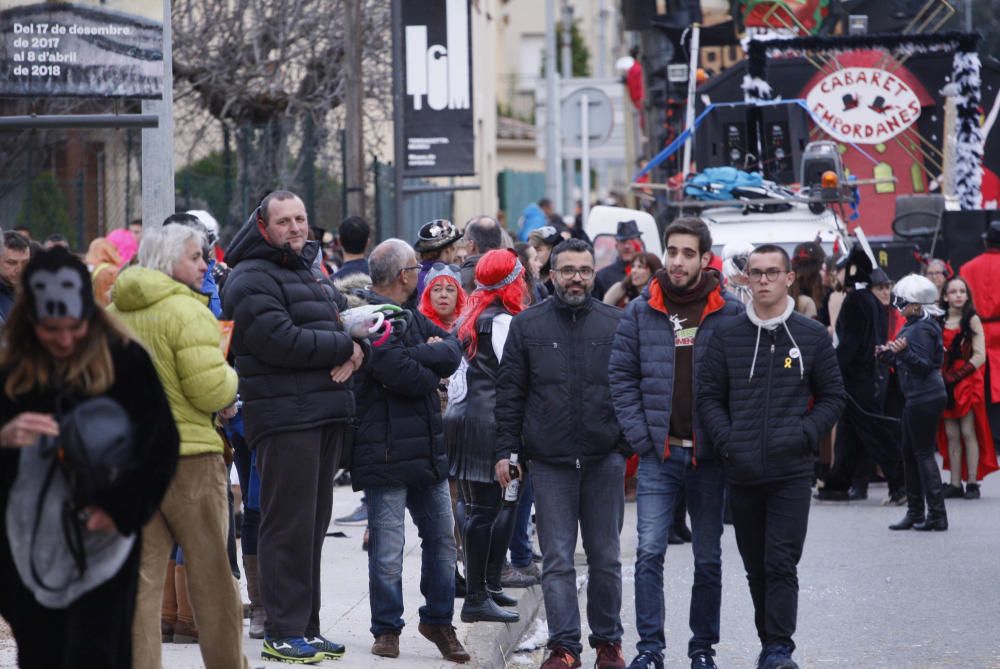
point(703, 661)
point(444, 637)
point(294, 650)
point(647, 660)
point(952, 491)
point(513, 577)
point(609, 656)
point(386, 645)
point(561, 658)
point(357, 517)
point(972, 491)
point(330, 650)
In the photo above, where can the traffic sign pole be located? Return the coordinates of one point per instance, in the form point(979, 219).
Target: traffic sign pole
point(585, 157)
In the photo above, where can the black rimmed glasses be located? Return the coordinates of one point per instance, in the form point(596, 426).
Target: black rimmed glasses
point(772, 274)
point(568, 273)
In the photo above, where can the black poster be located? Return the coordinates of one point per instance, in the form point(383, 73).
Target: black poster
point(69, 50)
point(439, 134)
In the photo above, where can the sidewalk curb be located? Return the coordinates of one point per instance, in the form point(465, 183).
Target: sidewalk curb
point(495, 643)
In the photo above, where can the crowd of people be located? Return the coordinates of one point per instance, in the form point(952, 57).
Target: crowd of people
point(471, 381)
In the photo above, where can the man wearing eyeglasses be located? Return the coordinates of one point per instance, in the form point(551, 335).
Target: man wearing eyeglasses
point(554, 408)
point(660, 344)
point(761, 373)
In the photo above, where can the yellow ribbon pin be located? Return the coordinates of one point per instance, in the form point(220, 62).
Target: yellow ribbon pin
point(788, 363)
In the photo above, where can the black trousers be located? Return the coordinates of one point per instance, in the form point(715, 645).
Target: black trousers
point(864, 435)
point(95, 632)
point(770, 522)
point(489, 526)
point(923, 478)
point(296, 502)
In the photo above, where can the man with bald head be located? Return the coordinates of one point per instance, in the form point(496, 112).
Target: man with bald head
point(482, 234)
point(295, 363)
point(399, 459)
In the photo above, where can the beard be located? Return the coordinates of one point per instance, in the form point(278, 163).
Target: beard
point(573, 300)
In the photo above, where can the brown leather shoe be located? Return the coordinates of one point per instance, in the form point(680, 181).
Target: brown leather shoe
point(609, 656)
point(185, 632)
point(386, 645)
point(443, 636)
point(561, 658)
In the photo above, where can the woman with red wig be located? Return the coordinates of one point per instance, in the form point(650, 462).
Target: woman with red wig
point(470, 431)
point(443, 298)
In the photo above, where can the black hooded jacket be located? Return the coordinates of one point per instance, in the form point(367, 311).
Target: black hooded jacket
point(287, 336)
point(400, 438)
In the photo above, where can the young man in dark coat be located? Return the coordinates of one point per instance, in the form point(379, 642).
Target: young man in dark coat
point(761, 373)
point(554, 408)
point(659, 347)
point(400, 460)
point(295, 363)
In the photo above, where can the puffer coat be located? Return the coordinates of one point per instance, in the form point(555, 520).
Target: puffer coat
point(182, 336)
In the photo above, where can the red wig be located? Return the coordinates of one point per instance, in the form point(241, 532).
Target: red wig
point(494, 284)
point(427, 309)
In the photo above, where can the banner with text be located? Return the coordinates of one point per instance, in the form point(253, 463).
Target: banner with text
point(439, 132)
point(50, 49)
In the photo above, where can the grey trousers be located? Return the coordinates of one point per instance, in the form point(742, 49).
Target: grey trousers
point(591, 499)
point(296, 501)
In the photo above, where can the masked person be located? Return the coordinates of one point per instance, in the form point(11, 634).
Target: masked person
point(917, 354)
point(60, 352)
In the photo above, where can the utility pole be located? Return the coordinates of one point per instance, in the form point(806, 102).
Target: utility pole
point(354, 135)
point(569, 164)
point(553, 185)
point(158, 142)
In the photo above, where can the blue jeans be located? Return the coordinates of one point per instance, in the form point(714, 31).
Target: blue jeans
point(520, 543)
point(590, 500)
point(660, 482)
point(430, 508)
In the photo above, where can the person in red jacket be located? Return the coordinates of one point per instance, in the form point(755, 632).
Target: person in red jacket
point(982, 274)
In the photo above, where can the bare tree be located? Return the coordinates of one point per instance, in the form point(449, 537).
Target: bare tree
point(273, 72)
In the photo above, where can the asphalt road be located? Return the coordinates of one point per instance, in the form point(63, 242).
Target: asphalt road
point(869, 598)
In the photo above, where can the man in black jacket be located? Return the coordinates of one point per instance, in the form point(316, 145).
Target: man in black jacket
point(755, 387)
point(294, 362)
point(482, 234)
point(400, 460)
point(554, 408)
point(628, 242)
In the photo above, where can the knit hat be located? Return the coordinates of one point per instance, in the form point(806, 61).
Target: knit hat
point(125, 242)
point(57, 285)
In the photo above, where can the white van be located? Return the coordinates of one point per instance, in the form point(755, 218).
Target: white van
point(784, 228)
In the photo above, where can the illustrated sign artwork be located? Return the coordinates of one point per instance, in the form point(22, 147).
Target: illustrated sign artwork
point(864, 105)
point(437, 114)
point(55, 49)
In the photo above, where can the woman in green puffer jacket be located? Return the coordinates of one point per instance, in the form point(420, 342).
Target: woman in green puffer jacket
point(160, 302)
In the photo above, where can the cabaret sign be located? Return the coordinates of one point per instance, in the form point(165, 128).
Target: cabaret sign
point(863, 105)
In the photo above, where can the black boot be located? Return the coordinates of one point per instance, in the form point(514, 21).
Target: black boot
point(937, 517)
point(908, 522)
point(501, 598)
point(478, 528)
point(479, 607)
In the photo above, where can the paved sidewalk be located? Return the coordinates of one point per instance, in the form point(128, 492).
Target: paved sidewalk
point(345, 616)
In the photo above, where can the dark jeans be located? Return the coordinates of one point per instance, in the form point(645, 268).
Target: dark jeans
point(430, 509)
point(590, 500)
point(245, 462)
point(770, 522)
point(923, 478)
point(660, 485)
point(94, 632)
point(520, 544)
point(488, 527)
point(864, 434)
point(296, 501)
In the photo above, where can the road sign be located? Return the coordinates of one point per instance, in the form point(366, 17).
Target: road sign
point(600, 117)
